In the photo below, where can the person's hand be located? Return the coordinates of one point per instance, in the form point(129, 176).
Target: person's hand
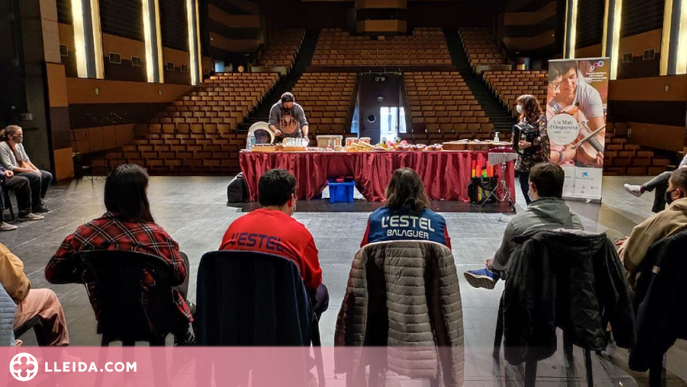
point(525, 144)
point(490, 263)
point(36, 171)
point(9, 173)
point(620, 242)
point(599, 162)
point(277, 133)
point(568, 153)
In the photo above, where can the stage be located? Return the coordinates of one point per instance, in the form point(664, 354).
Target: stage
point(323, 205)
point(445, 174)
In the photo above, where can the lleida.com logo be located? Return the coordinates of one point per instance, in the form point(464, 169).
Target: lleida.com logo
point(24, 367)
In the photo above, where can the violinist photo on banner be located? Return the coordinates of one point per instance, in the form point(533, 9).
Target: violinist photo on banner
point(570, 93)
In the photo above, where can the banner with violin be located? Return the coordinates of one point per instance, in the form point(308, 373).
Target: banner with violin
point(576, 115)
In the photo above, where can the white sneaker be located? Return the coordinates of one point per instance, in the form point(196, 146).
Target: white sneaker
point(31, 216)
point(7, 227)
point(634, 189)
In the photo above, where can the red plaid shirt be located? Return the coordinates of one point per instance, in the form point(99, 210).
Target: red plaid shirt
point(110, 233)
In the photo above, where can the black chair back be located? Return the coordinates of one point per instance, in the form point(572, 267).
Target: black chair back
point(661, 304)
point(249, 298)
point(578, 289)
point(252, 299)
point(124, 316)
point(5, 200)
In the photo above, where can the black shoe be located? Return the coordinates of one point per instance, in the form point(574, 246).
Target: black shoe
point(41, 209)
point(186, 339)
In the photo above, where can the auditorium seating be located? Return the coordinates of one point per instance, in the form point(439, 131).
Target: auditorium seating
point(327, 99)
point(622, 157)
point(480, 47)
point(197, 133)
point(442, 105)
point(282, 48)
point(425, 47)
point(509, 85)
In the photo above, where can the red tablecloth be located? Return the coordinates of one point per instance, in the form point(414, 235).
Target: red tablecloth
point(445, 174)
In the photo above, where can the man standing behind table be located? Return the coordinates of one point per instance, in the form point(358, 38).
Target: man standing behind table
point(287, 118)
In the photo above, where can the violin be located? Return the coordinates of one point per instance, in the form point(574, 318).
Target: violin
point(589, 147)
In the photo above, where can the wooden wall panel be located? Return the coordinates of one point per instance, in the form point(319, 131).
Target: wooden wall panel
point(122, 18)
point(82, 91)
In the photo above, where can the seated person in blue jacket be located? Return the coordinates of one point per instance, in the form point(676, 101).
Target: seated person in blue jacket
point(406, 215)
point(547, 211)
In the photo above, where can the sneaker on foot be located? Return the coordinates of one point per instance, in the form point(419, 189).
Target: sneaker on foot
point(483, 278)
point(634, 189)
point(31, 216)
point(7, 227)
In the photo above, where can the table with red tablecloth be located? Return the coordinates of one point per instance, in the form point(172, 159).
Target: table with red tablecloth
point(445, 174)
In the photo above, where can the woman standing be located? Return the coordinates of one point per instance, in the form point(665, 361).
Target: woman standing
point(538, 150)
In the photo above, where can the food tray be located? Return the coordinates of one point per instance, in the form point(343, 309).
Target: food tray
point(264, 148)
point(294, 149)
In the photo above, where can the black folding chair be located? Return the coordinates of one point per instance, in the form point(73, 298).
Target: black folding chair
point(235, 278)
point(37, 326)
point(6, 201)
point(531, 364)
point(118, 276)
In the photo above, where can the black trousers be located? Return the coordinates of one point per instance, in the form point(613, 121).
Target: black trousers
point(320, 300)
point(660, 184)
point(39, 186)
point(21, 187)
point(524, 178)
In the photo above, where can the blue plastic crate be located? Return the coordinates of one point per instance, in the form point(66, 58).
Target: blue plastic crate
point(340, 192)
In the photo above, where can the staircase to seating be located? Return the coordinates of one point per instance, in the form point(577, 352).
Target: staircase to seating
point(303, 59)
point(497, 114)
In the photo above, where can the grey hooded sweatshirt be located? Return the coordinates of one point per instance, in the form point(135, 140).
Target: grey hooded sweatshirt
point(280, 117)
point(541, 214)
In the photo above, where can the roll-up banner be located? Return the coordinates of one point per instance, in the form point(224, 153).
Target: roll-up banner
point(576, 113)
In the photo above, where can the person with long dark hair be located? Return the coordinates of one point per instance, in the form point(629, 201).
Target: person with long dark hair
point(535, 151)
point(406, 215)
point(128, 225)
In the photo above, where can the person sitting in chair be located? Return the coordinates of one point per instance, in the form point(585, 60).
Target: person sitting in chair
point(32, 302)
point(658, 183)
point(21, 187)
point(406, 215)
point(547, 211)
point(272, 230)
point(13, 157)
point(127, 225)
point(662, 225)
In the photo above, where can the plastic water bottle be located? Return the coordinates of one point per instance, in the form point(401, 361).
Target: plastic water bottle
point(251, 141)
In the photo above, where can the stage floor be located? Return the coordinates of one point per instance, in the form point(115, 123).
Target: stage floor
point(194, 211)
